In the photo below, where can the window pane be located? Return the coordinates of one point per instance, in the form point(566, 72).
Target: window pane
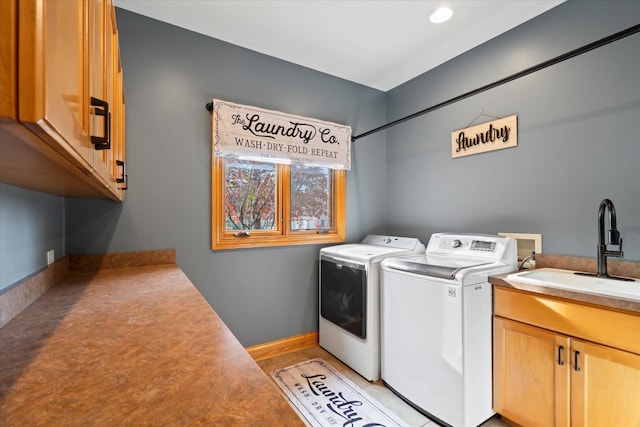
point(311, 198)
point(250, 195)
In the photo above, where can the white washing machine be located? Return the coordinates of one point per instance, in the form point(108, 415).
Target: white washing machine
point(436, 329)
point(349, 325)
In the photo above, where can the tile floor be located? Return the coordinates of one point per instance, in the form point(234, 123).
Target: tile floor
point(377, 389)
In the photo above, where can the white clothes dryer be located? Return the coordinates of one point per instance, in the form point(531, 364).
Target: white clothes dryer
point(349, 299)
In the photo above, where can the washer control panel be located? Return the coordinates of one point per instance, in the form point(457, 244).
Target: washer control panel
point(483, 245)
point(463, 244)
point(476, 246)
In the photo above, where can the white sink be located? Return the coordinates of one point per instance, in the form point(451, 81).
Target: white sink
point(567, 279)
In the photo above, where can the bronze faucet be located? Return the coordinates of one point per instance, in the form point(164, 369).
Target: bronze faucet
point(614, 237)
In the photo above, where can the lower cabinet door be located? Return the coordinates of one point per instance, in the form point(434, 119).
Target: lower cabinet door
point(531, 374)
point(605, 386)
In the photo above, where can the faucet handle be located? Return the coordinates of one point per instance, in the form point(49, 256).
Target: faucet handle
point(617, 254)
point(614, 237)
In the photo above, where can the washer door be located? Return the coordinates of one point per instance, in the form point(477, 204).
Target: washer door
point(343, 295)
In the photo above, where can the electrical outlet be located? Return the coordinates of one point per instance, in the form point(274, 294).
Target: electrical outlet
point(50, 257)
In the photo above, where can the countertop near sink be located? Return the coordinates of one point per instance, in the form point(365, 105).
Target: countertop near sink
point(606, 301)
point(589, 265)
point(130, 346)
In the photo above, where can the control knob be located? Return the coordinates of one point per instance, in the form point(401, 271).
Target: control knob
point(456, 243)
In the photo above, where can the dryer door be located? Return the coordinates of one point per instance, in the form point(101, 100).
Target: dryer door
point(343, 294)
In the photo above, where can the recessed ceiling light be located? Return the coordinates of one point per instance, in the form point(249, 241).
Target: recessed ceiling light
point(441, 15)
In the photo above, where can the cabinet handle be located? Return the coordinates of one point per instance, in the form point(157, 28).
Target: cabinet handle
point(575, 361)
point(102, 109)
point(124, 177)
point(560, 350)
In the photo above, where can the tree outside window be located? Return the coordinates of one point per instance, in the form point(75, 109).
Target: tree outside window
point(250, 195)
point(266, 204)
point(311, 198)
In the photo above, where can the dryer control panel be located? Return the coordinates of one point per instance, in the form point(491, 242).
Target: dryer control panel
point(408, 243)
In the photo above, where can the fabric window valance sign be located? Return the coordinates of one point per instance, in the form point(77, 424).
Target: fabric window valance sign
point(254, 133)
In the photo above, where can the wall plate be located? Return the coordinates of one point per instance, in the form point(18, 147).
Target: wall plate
point(526, 243)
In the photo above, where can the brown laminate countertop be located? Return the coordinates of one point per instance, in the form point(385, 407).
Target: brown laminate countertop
point(602, 300)
point(130, 346)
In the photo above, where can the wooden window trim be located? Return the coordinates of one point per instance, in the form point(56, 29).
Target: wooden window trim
point(284, 236)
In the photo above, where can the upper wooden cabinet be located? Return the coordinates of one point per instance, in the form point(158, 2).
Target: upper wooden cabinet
point(62, 118)
point(8, 49)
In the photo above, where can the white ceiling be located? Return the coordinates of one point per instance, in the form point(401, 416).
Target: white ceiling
point(377, 43)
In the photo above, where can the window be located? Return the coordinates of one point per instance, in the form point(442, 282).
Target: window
point(257, 204)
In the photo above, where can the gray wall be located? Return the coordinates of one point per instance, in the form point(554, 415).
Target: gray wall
point(31, 224)
point(578, 143)
point(169, 76)
point(578, 136)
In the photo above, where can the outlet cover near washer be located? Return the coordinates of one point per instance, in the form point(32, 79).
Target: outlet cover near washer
point(526, 243)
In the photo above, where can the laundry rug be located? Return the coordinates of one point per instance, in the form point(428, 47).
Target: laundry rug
point(324, 397)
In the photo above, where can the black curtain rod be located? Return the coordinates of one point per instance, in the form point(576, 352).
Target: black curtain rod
point(545, 64)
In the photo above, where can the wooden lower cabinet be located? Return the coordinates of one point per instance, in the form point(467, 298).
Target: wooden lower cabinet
point(547, 378)
point(530, 387)
point(605, 386)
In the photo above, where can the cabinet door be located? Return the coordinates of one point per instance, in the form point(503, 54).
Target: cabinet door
point(8, 44)
point(118, 143)
point(98, 44)
point(116, 93)
point(605, 386)
point(52, 62)
point(104, 86)
point(531, 375)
